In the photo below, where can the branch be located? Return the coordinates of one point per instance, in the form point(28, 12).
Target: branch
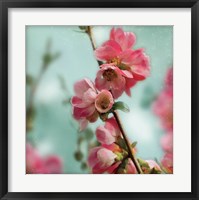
point(128, 144)
point(131, 153)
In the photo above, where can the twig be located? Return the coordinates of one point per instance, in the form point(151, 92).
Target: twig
point(130, 150)
point(131, 153)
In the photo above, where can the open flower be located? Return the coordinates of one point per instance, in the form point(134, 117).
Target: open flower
point(104, 101)
point(108, 133)
point(103, 159)
point(112, 78)
point(84, 102)
point(87, 103)
point(35, 164)
point(117, 51)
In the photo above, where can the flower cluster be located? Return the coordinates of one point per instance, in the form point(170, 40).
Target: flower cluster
point(122, 67)
point(35, 164)
point(163, 107)
point(112, 156)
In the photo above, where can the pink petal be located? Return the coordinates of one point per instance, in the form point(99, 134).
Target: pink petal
point(113, 167)
point(112, 126)
point(83, 123)
point(104, 136)
point(92, 157)
point(140, 67)
point(125, 39)
point(129, 84)
point(53, 164)
point(107, 51)
point(79, 113)
point(167, 142)
point(131, 169)
point(80, 87)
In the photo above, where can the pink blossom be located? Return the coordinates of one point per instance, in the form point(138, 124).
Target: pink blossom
point(130, 167)
point(104, 101)
point(35, 164)
point(88, 103)
point(167, 162)
point(108, 133)
point(111, 78)
point(102, 159)
point(163, 107)
point(117, 51)
point(83, 103)
point(152, 164)
point(125, 39)
point(167, 142)
point(169, 79)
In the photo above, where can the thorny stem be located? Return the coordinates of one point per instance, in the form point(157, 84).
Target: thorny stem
point(130, 150)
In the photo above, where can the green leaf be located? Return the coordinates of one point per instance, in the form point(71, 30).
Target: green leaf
point(122, 143)
point(120, 106)
point(83, 27)
point(133, 144)
point(143, 163)
point(83, 165)
point(78, 155)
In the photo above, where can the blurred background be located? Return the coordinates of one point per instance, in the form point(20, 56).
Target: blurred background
point(58, 56)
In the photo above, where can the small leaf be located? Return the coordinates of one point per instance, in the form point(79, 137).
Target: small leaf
point(83, 28)
point(78, 155)
point(120, 106)
point(83, 166)
point(122, 144)
point(133, 144)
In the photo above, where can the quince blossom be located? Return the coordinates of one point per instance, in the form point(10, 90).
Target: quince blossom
point(117, 50)
point(87, 103)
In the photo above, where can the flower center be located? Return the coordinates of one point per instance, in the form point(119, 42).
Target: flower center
point(109, 74)
point(119, 64)
point(104, 103)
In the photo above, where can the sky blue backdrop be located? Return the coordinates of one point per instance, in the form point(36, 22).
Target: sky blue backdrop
point(53, 132)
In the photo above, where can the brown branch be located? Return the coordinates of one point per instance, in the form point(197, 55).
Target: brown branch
point(130, 150)
point(128, 144)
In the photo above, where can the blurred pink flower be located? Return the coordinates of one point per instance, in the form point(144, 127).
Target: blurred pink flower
point(167, 162)
point(117, 51)
point(169, 79)
point(102, 159)
point(108, 133)
point(35, 164)
point(163, 107)
point(152, 164)
point(104, 101)
point(167, 142)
